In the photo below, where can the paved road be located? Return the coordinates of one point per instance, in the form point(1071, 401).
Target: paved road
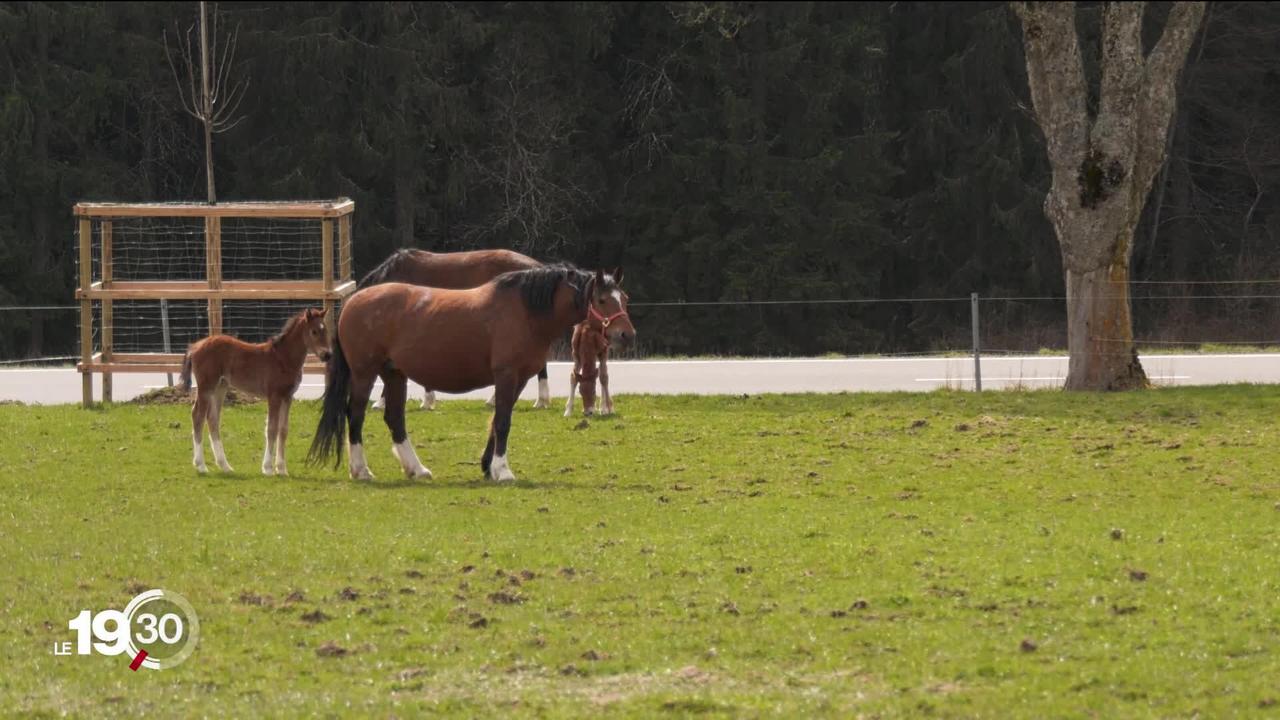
point(709, 377)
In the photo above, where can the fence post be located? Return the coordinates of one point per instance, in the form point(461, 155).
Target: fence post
point(977, 348)
point(164, 330)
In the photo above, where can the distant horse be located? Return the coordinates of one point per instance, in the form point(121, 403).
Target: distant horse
point(452, 271)
point(272, 369)
point(590, 346)
point(453, 341)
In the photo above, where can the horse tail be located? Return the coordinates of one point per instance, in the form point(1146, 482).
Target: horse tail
point(335, 409)
point(184, 381)
point(387, 271)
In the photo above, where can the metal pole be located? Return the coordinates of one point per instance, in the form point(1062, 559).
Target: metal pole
point(977, 349)
point(164, 329)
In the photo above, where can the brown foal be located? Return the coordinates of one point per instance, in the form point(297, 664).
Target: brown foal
point(590, 345)
point(272, 369)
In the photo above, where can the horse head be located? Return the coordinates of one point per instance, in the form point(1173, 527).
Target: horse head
point(316, 333)
point(607, 307)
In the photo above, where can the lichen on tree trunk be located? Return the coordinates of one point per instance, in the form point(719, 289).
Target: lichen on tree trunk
point(1103, 165)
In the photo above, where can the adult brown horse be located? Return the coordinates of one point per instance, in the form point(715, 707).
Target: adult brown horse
point(272, 370)
point(453, 341)
point(452, 271)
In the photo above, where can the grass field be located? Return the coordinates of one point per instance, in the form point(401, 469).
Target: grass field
point(1029, 554)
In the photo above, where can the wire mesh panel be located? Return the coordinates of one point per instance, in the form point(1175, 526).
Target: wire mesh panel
point(140, 326)
point(150, 248)
point(155, 277)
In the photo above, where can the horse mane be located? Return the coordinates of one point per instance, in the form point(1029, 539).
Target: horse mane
point(538, 285)
point(386, 271)
point(289, 327)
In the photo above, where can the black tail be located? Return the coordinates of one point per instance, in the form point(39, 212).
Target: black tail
point(184, 382)
point(387, 271)
point(333, 418)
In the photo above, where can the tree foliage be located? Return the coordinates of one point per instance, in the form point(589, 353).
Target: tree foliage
point(717, 150)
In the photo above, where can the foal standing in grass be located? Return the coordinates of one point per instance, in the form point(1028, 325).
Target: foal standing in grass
point(272, 369)
point(590, 347)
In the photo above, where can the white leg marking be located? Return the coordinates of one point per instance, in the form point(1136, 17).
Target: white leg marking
point(499, 471)
point(544, 394)
point(429, 401)
point(568, 406)
point(282, 432)
point(409, 462)
point(359, 468)
point(219, 456)
point(269, 453)
point(197, 458)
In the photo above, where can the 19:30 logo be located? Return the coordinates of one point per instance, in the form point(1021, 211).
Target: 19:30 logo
point(158, 630)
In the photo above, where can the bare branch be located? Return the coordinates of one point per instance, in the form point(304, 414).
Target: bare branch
point(1159, 91)
point(172, 66)
point(1055, 74)
point(1114, 131)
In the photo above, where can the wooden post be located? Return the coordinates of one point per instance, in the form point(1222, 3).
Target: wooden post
point(344, 247)
point(977, 344)
point(86, 309)
point(108, 318)
point(326, 263)
point(213, 269)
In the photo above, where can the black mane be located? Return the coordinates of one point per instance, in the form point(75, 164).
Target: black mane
point(538, 285)
point(386, 272)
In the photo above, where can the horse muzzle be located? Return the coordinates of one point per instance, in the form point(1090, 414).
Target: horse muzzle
point(623, 338)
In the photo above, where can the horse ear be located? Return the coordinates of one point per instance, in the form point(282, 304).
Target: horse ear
point(617, 275)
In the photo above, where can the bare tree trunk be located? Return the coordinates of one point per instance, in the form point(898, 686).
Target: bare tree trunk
point(206, 103)
point(1103, 166)
point(1100, 328)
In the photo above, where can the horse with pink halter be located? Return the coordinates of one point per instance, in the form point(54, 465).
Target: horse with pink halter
point(590, 347)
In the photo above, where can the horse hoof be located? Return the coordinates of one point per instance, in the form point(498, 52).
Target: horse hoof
point(503, 476)
point(541, 404)
point(568, 413)
point(362, 474)
point(268, 470)
point(419, 474)
point(227, 468)
point(202, 469)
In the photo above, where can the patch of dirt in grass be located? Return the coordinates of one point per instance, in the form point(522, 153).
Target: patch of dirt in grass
point(573, 684)
point(175, 396)
point(250, 598)
point(315, 616)
point(331, 649)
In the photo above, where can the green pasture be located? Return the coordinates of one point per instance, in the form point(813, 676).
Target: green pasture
point(1021, 554)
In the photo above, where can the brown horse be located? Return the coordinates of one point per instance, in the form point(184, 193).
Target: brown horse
point(590, 346)
point(453, 341)
point(272, 369)
point(452, 271)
